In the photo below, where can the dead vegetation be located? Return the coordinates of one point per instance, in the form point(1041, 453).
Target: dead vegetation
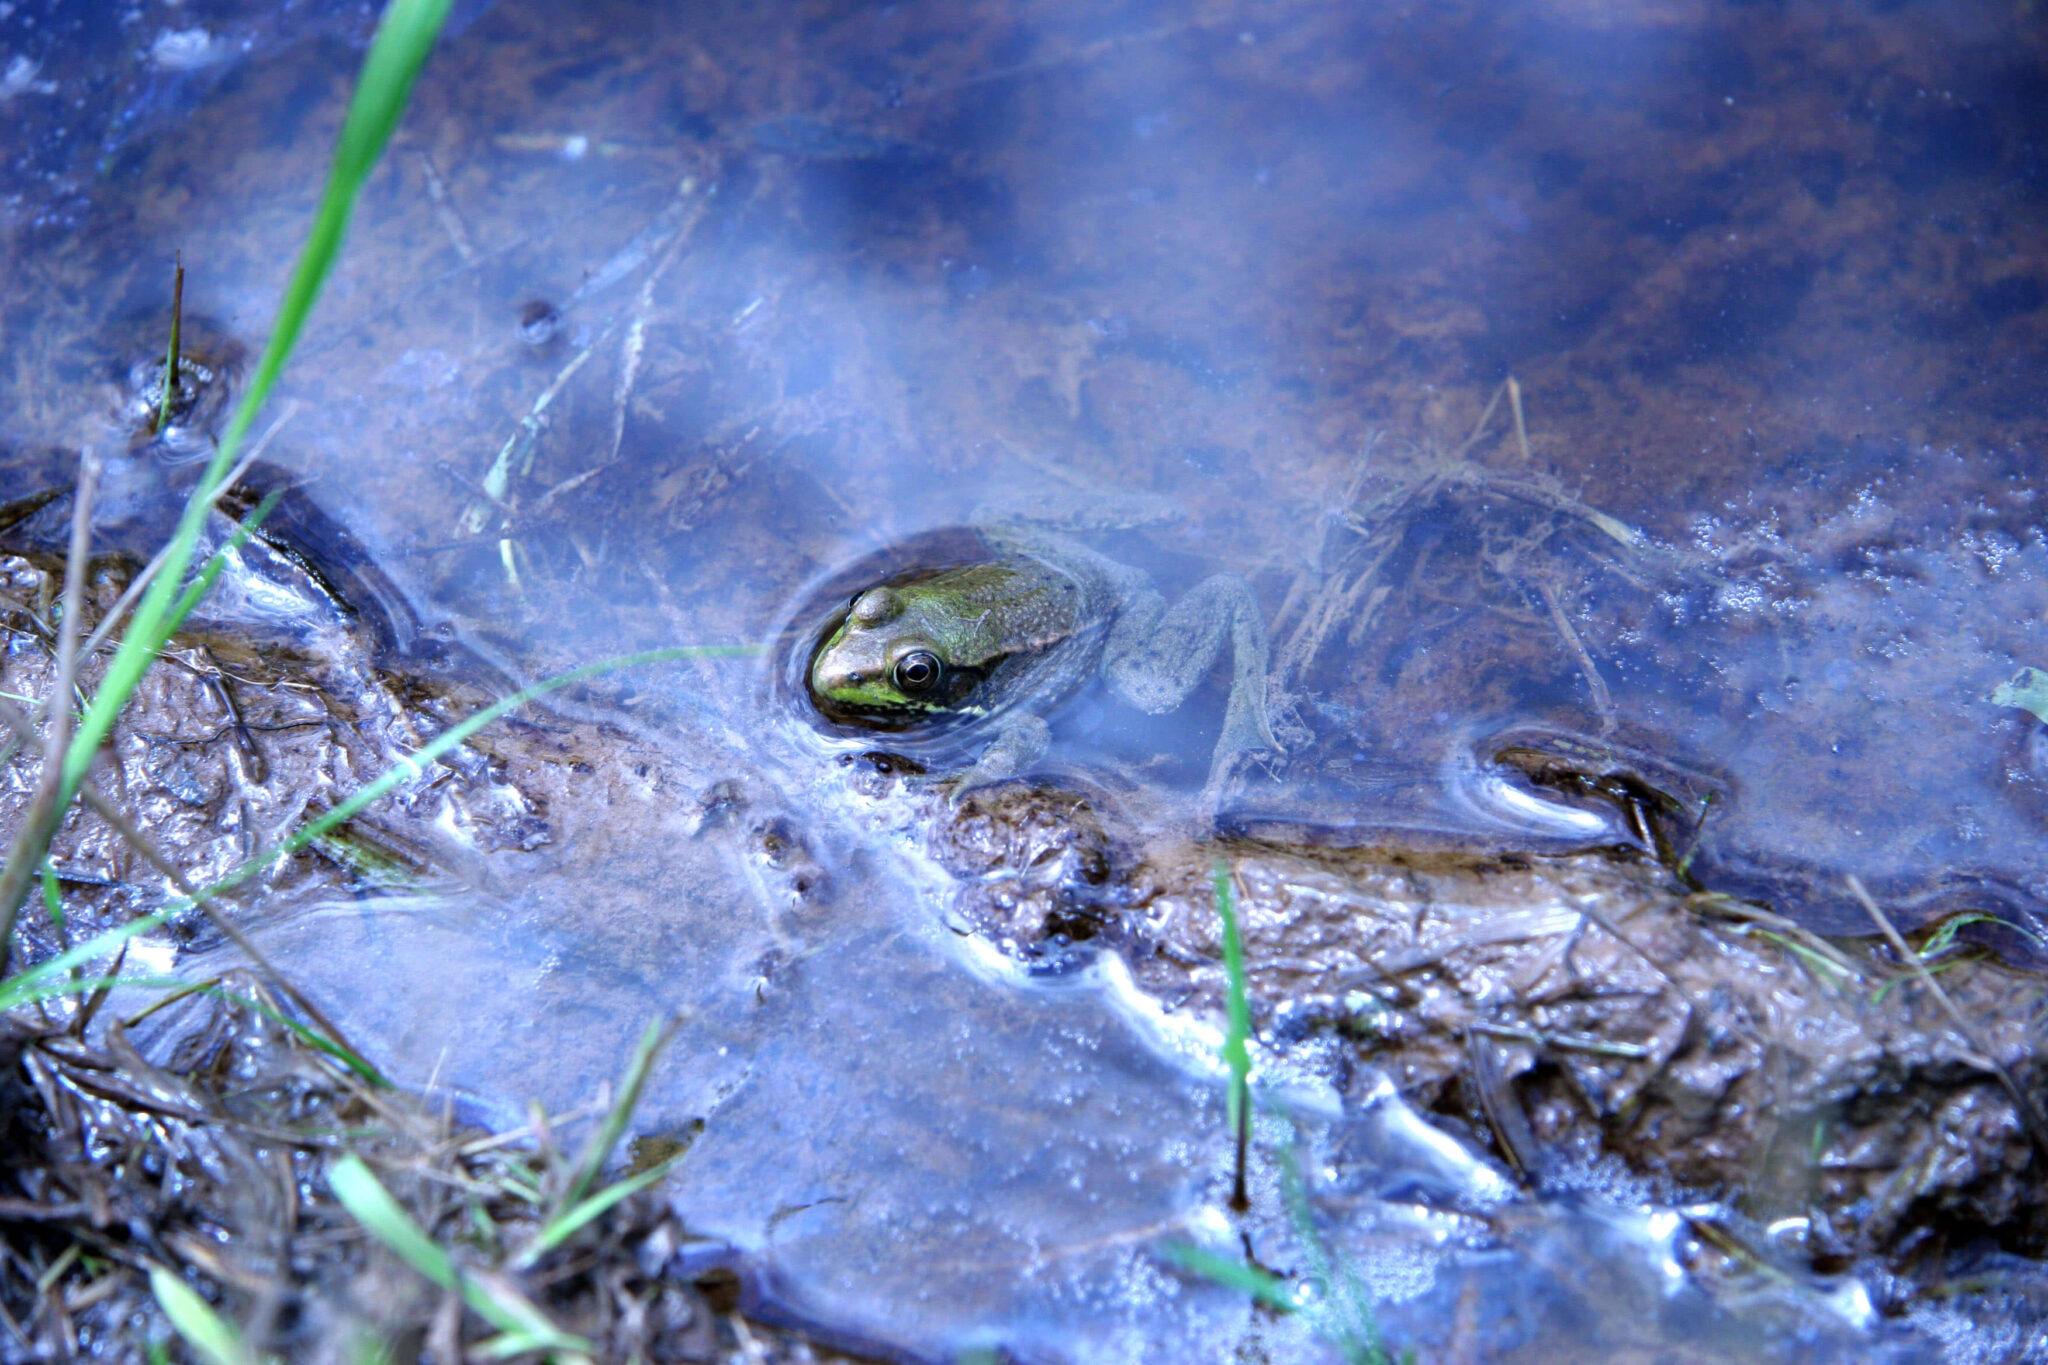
point(200, 1134)
point(209, 1149)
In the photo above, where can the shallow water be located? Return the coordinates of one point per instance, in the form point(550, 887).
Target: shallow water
point(661, 327)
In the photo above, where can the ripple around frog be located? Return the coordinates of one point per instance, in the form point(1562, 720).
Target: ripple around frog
point(936, 742)
point(210, 364)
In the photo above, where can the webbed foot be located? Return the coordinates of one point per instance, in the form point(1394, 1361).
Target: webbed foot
point(1023, 741)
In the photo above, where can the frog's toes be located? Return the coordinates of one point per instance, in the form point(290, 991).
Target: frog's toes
point(1290, 733)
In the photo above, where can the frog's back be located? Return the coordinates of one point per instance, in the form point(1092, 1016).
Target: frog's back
point(1016, 604)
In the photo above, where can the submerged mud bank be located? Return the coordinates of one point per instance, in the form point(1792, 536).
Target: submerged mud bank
point(1559, 1009)
point(1810, 1102)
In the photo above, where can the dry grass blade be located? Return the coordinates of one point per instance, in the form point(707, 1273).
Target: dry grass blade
point(46, 809)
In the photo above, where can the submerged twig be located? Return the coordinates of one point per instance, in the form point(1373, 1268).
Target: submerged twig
point(444, 207)
point(1603, 702)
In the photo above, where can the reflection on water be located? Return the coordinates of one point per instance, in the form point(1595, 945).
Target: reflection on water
point(656, 324)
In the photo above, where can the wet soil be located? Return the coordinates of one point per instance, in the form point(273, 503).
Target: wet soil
point(1565, 1008)
point(1566, 1017)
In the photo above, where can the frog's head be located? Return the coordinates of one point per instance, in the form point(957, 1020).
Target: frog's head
point(896, 656)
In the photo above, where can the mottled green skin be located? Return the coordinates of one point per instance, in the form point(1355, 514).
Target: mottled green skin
point(1029, 629)
point(1022, 630)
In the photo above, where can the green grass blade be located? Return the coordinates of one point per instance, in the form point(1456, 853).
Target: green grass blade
point(312, 1038)
point(448, 739)
point(1348, 1319)
point(53, 897)
point(506, 1345)
point(1236, 1040)
point(562, 1227)
point(212, 1337)
point(1237, 1035)
point(170, 389)
point(86, 985)
point(370, 1204)
point(24, 985)
point(1944, 935)
point(1231, 1273)
point(202, 582)
point(404, 37)
point(614, 1126)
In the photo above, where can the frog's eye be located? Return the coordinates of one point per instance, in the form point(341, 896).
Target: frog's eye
point(917, 672)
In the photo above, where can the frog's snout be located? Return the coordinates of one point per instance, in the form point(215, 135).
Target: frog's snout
point(828, 677)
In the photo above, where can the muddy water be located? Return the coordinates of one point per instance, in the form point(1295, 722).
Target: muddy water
point(661, 328)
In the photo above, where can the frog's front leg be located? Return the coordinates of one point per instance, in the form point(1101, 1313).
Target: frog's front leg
point(1021, 742)
point(1154, 657)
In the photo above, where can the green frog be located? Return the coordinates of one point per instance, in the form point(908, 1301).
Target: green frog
point(1004, 639)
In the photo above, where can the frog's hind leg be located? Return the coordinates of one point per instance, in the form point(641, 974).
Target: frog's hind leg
point(1155, 656)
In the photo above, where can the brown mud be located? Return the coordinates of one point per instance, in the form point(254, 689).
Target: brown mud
point(1564, 1008)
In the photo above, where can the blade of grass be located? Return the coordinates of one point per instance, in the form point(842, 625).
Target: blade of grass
point(53, 898)
point(1262, 1285)
point(20, 988)
point(212, 1337)
point(563, 1226)
point(202, 581)
point(34, 984)
point(370, 1204)
point(170, 391)
point(1236, 1051)
point(86, 985)
point(608, 1133)
point(448, 739)
point(404, 37)
point(313, 1038)
point(140, 583)
point(2031, 1117)
point(1350, 1323)
point(1945, 934)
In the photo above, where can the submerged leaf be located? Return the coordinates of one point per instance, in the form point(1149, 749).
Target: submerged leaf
point(2026, 689)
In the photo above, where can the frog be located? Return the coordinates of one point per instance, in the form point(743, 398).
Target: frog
point(1002, 639)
